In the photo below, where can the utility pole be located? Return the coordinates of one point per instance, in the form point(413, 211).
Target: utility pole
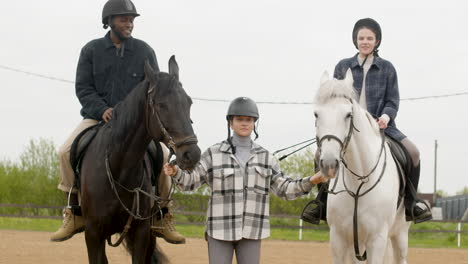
point(435, 173)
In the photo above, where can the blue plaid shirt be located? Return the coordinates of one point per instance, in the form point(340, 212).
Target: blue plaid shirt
point(382, 95)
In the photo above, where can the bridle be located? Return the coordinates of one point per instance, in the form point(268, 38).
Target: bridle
point(363, 178)
point(167, 138)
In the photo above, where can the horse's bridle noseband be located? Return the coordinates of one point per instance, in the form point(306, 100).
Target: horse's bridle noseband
point(343, 144)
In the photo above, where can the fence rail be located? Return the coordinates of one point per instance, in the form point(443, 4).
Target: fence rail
point(458, 231)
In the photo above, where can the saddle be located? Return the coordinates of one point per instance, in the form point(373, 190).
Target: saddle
point(78, 149)
point(404, 164)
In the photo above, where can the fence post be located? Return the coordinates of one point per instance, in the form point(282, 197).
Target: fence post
point(459, 233)
point(300, 229)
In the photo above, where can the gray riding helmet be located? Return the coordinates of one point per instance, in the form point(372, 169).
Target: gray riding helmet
point(242, 106)
point(117, 7)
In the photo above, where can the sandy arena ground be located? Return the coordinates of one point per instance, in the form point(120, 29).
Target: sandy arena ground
point(25, 247)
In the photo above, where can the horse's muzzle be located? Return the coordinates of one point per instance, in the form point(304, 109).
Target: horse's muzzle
point(188, 156)
point(329, 167)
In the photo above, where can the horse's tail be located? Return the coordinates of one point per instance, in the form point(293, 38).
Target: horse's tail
point(154, 253)
point(158, 256)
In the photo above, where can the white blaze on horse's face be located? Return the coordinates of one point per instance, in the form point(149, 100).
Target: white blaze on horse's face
point(332, 122)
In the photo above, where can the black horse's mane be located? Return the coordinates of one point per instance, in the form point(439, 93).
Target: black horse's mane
point(128, 113)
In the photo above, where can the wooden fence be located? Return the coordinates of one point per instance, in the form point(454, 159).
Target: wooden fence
point(300, 226)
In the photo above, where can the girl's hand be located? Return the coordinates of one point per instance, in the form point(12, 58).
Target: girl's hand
point(383, 121)
point(170, 170)
point(318, 178)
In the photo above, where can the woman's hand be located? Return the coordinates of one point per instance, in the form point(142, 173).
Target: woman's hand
point(318, 178)
point(383, 121)
point(170, 170)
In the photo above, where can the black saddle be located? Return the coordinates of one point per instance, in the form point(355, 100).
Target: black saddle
point(404, 164)
point(82, 141)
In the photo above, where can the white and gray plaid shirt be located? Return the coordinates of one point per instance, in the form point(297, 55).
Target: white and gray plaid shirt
point(239, 209)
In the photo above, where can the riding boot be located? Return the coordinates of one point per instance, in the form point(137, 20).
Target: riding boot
point(164, 227)
point(73, 222)
point(414, 212)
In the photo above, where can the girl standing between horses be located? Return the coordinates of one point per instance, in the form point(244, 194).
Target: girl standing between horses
point(241, 174)
point(376, 83)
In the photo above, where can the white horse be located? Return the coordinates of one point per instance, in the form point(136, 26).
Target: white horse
point(359, 163)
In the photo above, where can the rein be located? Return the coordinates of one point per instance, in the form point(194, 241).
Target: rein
point(363, 178)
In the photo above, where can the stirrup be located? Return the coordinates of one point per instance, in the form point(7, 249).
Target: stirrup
point(318, 205)
point(411, 209)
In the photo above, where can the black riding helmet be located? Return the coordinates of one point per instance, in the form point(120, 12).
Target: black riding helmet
point(373, 26)
point(241, 106)
point(117, 7)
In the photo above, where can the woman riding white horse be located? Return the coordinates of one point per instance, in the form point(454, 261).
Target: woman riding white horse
point(376, 83)
point(363, 210)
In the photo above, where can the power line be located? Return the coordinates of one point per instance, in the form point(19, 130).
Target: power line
point(36, 74)
point(227, 101)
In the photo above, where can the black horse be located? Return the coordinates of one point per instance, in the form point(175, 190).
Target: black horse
point(115, 185)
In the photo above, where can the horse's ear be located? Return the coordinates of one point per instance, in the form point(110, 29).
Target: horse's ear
point(149, 72)
point(349, 78)
point(324, 77)
point(173, 67)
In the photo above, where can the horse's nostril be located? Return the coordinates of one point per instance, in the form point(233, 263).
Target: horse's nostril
point(187, 155)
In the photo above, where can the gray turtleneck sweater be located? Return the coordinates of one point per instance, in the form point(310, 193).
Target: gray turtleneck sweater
point(243, 146)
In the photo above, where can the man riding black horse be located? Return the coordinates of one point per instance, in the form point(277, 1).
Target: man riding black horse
point(108, 69)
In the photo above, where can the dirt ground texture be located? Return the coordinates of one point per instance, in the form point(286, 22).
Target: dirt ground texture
point(21, 247)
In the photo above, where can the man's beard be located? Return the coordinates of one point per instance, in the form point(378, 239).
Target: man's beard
point(119, 34)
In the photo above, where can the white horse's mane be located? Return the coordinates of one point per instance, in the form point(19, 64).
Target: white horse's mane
point(334, 88)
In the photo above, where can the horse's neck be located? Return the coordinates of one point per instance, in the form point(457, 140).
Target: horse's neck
point(130, 136)
point(364, 148)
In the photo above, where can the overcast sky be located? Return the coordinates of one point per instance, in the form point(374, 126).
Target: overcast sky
point(267, 50)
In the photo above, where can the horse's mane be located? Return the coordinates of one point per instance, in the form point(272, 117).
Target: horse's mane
point(128, 113)
point(332, 89)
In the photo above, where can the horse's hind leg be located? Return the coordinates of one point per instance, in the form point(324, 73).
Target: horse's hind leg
point(96, 245)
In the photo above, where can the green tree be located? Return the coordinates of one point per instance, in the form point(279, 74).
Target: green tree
point(441, 193)
point(463, 191)
point(299, 165)
point(41, 156)
point(34, 178)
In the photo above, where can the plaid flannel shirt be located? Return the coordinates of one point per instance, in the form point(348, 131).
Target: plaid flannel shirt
point(239, 209)
point(382, 93)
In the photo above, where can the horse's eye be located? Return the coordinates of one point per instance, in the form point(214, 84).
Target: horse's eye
point(349, 115)
point(191, 122)
point(316, 115)
point(163, 106)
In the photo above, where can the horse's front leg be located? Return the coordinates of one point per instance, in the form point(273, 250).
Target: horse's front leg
point(376, 247)
point(141, 240)
point(96, 244)
point(338, 246)
point(400, 247)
